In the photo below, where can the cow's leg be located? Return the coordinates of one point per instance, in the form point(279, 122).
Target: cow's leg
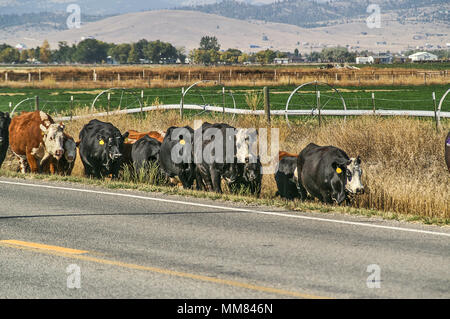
point(326, 197)
point(199, 185)
point(32, 162)
point(302, 191)
point(53, 169)
point(206, 181)
point(23, 163)
point(216, 180)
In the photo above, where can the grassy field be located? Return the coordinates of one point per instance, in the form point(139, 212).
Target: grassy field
point(403, 161)
point(386, 97)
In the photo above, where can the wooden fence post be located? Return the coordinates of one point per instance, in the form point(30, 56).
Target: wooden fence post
point(182, 103)
point(373, 103)
point(109, 103)
point(36, 103)
point(71, 107)
point(223, 101)
point(435, 111)
point(142, 102)
point(318, 108)
point(267, 104)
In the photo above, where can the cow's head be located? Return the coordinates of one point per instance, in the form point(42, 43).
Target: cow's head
point(338, 179)
point(5, 120)
point(252, 169)
point(70, 150)
point(53, 138)
point(112, 145)
point(354, 172)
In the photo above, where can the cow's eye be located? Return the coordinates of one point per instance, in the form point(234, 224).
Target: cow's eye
point(349, 174)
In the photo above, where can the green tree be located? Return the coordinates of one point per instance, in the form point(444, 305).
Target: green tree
point(64, 52)
point(44, 52)
point(133, 56)
point(120, 52)
point(209, 43)
point(90, 51)
point(9, 55)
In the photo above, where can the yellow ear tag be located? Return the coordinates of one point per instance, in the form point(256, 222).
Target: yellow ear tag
point(182, 142)
point(338, 170)
point(126, 140)
point(101, 142)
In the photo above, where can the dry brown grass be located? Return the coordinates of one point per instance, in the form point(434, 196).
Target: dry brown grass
point(403, 158)
point(176, 76)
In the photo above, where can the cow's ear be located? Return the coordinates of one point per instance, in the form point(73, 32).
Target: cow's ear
point(358, 160)
point(125, 135)
point(337, 166)
point(43, 129)
point(61, 126)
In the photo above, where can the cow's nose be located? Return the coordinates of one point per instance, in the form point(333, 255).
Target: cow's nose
point(70, 158)
point(117, 155)
point(59, 153)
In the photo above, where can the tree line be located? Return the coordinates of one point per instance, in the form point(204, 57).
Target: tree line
point(95, 51)
point(90, 51)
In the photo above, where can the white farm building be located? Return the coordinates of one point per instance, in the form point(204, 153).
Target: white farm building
point(423, 56)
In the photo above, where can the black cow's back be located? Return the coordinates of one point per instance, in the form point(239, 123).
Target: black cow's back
point(99, 156)
point(5, 120)
point(286, 179)
point(145, 151)
point(185, 169)
point(318, 172)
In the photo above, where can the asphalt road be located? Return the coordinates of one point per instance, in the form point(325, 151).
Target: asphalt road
point(60, 240)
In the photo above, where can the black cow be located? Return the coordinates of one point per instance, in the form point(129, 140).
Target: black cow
point(5, 120)
point(101, 149)
point(447, 151)
point(145, 154)
point(322, 172)
point(286, 178)
point(249, 176)
point(216, 158)
point(176, 156)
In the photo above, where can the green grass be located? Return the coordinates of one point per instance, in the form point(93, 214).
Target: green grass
point(386, 97)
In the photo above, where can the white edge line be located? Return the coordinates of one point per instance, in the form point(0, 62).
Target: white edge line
point(230, 208)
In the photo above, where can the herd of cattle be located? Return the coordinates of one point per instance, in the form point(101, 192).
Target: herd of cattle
point(42, 146)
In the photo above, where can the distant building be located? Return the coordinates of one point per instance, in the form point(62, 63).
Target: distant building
point(423, 56)
point(21, 46)
point(382, 59)
point(281, 60)
point(379, 59)
point(364, 60)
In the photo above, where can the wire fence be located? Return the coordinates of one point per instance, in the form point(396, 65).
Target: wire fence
point(237, 101)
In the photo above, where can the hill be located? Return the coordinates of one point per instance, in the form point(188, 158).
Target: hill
point(308, 13)
point(185, 28)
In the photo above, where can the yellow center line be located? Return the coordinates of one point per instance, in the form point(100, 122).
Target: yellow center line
point(44, 247)
point(79, 255)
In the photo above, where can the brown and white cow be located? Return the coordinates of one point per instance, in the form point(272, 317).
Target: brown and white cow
point(35, 139)
point(65, 165)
